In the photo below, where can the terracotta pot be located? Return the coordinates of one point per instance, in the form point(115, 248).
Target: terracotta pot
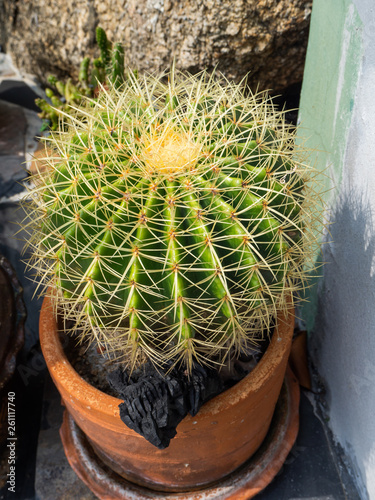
point(223, 435)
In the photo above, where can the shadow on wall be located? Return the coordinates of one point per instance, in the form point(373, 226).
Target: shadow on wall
point(342, 346)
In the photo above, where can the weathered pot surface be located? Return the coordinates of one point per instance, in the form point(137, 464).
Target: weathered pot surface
point(223, 435)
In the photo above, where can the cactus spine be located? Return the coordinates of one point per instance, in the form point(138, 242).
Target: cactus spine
point(177, 220)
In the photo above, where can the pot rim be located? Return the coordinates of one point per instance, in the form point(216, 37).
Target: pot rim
point(62, 371)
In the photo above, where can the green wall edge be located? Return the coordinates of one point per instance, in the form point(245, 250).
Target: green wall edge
point(333, 63)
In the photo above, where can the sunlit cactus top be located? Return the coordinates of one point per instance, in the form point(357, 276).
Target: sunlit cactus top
point(174, 220)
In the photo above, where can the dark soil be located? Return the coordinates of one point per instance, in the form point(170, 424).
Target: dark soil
point(95, 366)
point(92, 365)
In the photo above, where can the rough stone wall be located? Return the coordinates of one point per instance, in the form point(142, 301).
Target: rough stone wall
point(266, 37)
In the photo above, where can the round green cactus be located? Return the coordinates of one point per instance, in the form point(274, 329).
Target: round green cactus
point(175, 220)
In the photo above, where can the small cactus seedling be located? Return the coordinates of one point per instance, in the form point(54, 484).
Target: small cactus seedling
point(175, 220)
point(109, 67)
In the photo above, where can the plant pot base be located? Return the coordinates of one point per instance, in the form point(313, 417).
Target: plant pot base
point(244, 483)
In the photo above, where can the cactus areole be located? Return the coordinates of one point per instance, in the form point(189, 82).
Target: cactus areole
point(175, 219)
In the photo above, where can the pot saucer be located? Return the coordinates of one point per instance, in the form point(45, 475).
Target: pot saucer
point(244, 483)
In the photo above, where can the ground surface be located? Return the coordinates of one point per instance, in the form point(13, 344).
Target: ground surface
point(314, 468)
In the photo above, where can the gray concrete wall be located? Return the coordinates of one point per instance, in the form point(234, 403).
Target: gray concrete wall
point(338, 117)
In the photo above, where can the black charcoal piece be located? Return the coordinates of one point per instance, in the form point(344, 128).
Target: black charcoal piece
point(156, 401)
point(204, 384)
point(149, 409)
